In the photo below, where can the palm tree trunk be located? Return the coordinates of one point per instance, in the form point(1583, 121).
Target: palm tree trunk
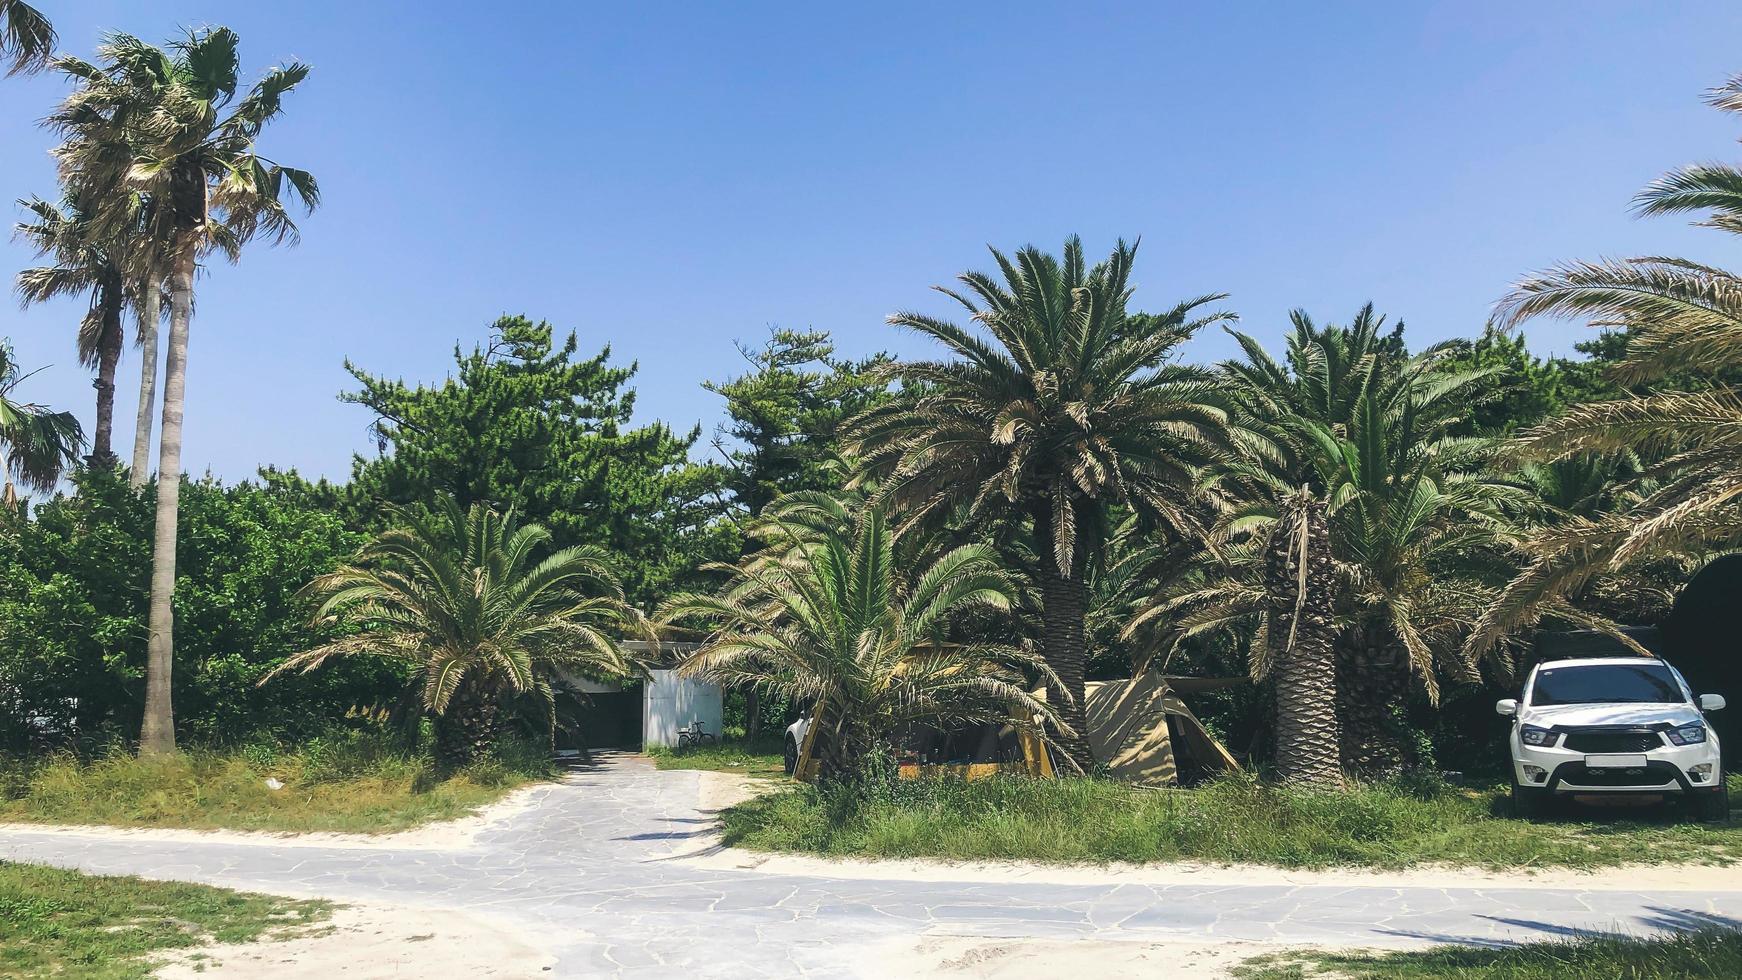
point(471, 726)
point(1064, 599)
point(157, 733)
point(1371, 689)
point(148, 312)
point(1302, 635)
point(110, 302)
point(752, 713)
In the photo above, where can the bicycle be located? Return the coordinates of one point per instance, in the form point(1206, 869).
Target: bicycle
point(693, 736)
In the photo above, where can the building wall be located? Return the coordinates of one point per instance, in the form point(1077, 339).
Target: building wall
point(671, 702)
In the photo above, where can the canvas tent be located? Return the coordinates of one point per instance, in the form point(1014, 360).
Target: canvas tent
point(1142, 732)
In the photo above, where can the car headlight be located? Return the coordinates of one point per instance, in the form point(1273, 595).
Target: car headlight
point(1532, 735)
point(1687, 734)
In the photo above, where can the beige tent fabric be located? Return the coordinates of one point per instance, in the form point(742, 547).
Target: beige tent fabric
point(1128, 731)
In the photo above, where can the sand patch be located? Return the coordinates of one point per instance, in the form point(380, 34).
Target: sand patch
point(721, 790)
point(365, 942)
point(1017, 959)
point(1647, 877)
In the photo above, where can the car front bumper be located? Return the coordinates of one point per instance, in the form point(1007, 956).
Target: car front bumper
point(1667, 769)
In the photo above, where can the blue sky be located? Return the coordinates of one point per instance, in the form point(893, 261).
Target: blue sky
point(667, 178)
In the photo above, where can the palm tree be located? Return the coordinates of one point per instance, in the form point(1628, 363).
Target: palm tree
point(148, 293)
point(829, 615)
point(36, 444)
point(1418, 528)
point(84, 263)
point(26, 37)
point(459, 596)
point(148, 133)
point(1063, 411)
point(1301, 644)
point(1684, 419)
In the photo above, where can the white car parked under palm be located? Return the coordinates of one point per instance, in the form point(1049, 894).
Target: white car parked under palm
point(1614, 725)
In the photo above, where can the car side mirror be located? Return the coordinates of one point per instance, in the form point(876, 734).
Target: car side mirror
point(1506, 708)
point(1712, 702)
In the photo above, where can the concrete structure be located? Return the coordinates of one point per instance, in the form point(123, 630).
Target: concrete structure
point(670, 702)
point(662, 704)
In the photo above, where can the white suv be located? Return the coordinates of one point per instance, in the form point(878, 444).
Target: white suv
point(1613, 725)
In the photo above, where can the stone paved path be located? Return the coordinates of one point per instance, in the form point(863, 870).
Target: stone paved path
point(589, 870)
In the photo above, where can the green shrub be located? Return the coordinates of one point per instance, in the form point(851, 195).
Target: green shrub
point(1237, 819)
point(1713, 951)
point(348, 781)
point(58, 923)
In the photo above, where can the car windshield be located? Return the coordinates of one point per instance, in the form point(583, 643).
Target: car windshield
point(1646, 683)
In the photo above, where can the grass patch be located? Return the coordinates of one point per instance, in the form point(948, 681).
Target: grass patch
point(758, 757)
point(1233, 820)
point(1709, 952)
point(56, 923)
point(356, 784)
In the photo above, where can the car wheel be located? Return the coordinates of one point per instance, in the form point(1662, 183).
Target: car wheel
point(1528, 802)
point(1714, 806)
point(791, 754)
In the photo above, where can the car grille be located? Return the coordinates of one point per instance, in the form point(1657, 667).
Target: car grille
point(1600, 742)
point(1653, 774)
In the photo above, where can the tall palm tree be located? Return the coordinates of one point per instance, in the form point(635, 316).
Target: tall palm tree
point(161, 138)
point(828, 615)
point(83, 264)
point(1418, 527)
point(1065, 408)
point(1684, 419)
point(36, 444)
point(461, 597)
point(26, 37)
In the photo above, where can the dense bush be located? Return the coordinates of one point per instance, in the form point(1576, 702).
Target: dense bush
point(73, 591)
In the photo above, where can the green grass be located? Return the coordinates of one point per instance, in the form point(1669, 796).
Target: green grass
point(350, 784)
point(56, 923)
point(1234, 820)
point(761, 757)
point(1709, 952)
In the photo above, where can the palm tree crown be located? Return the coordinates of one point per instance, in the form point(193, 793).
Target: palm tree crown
point(36, 444)
point(1073, 405)
point(148, 129)
point(83, 264)
point(26, 37)
point(1684, 421)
